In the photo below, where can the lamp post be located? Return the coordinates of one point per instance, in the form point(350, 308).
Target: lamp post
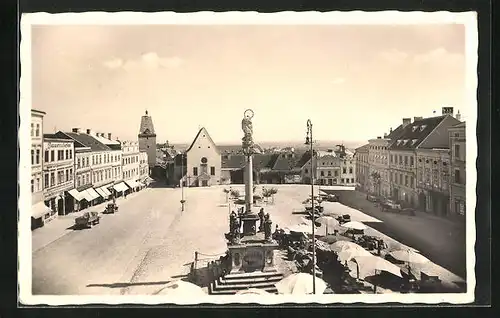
point(182, 183)
point(309, 141)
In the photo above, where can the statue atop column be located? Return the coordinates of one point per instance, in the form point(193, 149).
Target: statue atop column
point(247, 127)
point(267, 227)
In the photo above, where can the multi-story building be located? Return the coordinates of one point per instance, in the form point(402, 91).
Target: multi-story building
point(420, 136)
point(147, 139)
point(39, 211)
point(378, 161)
point(347, 170)
point(362, 167)
point(58, 172)
point(83, 180)
point(328, 168)
point(200, 164)
point(143, 167)
point(101, 160)
point(458, 172)
point(131, 164)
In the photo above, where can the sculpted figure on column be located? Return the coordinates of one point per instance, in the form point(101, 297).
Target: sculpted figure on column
point(247, 127)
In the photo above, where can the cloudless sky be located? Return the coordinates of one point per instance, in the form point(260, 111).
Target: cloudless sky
point(353, 82)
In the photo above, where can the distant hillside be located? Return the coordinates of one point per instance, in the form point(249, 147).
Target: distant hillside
point(320, 144)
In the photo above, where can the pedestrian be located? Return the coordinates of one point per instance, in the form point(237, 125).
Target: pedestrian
point(261, 219)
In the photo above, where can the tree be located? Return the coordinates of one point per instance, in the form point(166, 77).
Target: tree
point(269, 193)
point(377, 180)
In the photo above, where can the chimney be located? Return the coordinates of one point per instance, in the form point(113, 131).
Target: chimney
point(458, 116)
point(417, 118)
point(447, 111)
point(390, 131)
point(102, 135)
point(109, 136)
point(76, 130)
point(385, 135)
point(379, 137)
point(406, 121)
point(89, 131)
point(97, 134)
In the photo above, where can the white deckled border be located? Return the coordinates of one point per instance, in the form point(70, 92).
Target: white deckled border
point(469, 19)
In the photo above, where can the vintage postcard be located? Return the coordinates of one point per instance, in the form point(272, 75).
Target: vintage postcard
point(243, 157)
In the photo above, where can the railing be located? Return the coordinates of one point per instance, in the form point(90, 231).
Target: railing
point(206, 268)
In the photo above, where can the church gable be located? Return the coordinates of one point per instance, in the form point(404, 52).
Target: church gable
point(203, 140)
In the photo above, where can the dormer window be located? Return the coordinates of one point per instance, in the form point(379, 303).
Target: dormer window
point(423, 127)
point(399, 142)
point(414, 128)
point(414, 141)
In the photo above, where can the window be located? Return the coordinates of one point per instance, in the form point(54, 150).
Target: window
point(392, 159)
point(52, 179)
point(70, 154)
point(342, 180)
point(406, 180)
point(329, 173)
point(32, 185)
point(46, 156)
point(37, 130)
point(336, 173)
point(423, 127)
point(322, 173)
point(406, 160)
point(306, 171)
point(400, 178)
point(38, 188)
point(412, 181)
point(93, 160)
point(32, 130)
point(46, 180)
point(411, 161)
point(400, 159)
point(88, 161)
point(352, 180)
point(60, 155)
point(350, 170)
point(66, 154)
point(414, 128)
point(344, 170)
point(392, 176)
point(347, 180)
point(32, 157)
point(195, 171)
point(212, 171)
point(38, 156)
point(457, 151)
point(457, 176)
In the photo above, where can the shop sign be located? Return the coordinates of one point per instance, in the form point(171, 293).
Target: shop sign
point(54, 145)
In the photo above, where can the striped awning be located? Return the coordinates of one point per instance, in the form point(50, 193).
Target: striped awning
point(106, 191)
point(93, 193)
point(120, 187)
point(101, 193)
point(131, 183)
point(86, 195)
point(77, 195)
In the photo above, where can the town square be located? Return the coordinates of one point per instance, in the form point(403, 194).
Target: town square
point(226, 160)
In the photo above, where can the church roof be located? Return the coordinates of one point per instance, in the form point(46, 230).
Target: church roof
point(147, 127)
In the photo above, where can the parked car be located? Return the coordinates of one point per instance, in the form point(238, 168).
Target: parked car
point(332, 198)
point(390, 206)
point(317, 206)
point(344, 218)
point(372, 198)
point(111, 208)
point(88, 219)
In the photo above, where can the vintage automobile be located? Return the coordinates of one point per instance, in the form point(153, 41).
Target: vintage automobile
point(390, 206)
point(331, 198)
point(317, 206)
point(344, 218)
point(409, 211)
point(88, 219)
point(372, 198)
point(111, 208)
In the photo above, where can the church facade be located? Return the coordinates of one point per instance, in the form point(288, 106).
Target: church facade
point(200, 164)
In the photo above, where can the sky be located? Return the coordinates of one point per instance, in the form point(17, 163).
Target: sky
point(353, 81)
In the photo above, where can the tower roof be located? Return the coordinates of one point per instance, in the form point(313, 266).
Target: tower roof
point(147, 128)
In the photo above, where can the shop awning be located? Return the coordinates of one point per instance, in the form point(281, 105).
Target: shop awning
point(75, 194)
point(120, 187)
point(39, 209)
point(86, 195)
point(101, 193)
point(131, 183)
point(141, 184)
point(93, 193)
point(106, 191)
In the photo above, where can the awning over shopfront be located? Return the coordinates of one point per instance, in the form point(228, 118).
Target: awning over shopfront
point(106, 191)
point(132, 183)
point(78, 196)
point(141, 184)
point(86, 195)
point(120, 187)
point(39, 209)
point(93, 193)
point(101, 193)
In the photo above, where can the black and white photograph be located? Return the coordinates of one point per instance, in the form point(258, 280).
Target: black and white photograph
point(240, 157)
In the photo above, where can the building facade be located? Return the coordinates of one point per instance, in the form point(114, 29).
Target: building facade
point(131, 164)
point(328, 169)
point(378, 160)
point(58, 173)
point(147, 139)
point(458, 171)
point(347, 171)
point(83, 172)
point(362, 167)
point(143, 167)
point(40, 213)
point(200, 164)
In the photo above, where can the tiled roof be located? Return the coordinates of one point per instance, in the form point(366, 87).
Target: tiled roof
point(413, 134)
point(306, 156)
point(88, 141)
point(233, 162)
point(362, 148)
point(459, 125)
point(396, 132)
point(260, 161)
point(286, 163)
point(236, 149)
point(55, 136)
point(198, 135)
point(147, 127)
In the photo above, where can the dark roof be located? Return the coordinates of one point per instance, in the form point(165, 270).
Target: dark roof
point(362, 148)
point(413, 134)
point(147, 127)
point(87, 141)
point(306, 156)
point(285, 162)
point(396, 132)
point(55, 136)
point(233, 162)
point(459, 125)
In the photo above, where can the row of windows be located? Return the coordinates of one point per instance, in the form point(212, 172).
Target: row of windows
point(130, 160)
point(407, 181)
point(50, 156)
point(131, 173)
point(36, 185)
point(105, 158)
point(334, 181)
point(62, 176)
point(203, 170)
point(400, 159)
point(82, 162)
point(35, 157)
point(35, 132)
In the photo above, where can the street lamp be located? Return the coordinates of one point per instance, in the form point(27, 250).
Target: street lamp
point(182, 183)
point(309, 141)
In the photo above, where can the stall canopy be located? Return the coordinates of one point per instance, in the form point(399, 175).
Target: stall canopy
point(106, 191)
point(77, 195)
point(101, 193)
point(39, 209)
point(120, 187)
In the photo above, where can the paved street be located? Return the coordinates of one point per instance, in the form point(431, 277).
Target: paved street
point(150, 242)
point(440, 239)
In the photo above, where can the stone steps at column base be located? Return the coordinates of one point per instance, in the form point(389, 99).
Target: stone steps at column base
point(232, 283)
